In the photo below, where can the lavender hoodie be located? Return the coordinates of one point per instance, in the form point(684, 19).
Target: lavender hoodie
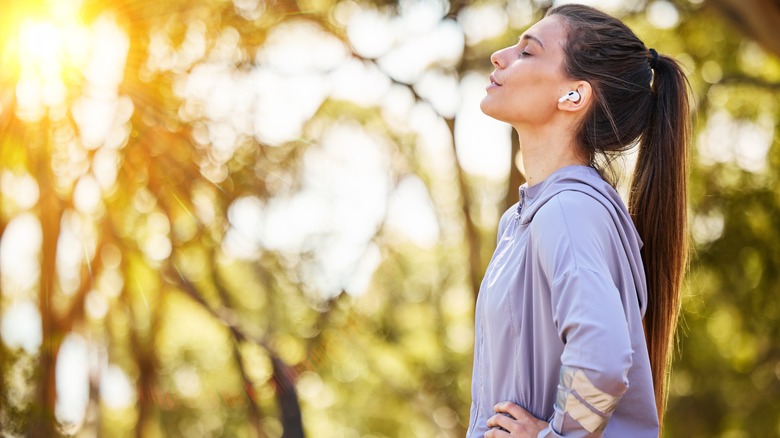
point(559, 314)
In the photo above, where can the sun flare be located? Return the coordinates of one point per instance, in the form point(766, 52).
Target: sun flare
point(43, 42)
point(47, 50)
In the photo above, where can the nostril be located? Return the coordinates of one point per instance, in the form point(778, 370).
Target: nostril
point(494, 60)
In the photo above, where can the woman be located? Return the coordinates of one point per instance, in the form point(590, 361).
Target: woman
point(561, 347)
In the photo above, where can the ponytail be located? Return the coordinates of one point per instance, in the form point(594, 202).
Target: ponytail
point(641, 97)
point(658, 207)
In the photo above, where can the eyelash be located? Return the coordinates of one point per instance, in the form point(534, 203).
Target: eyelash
point(524, 54)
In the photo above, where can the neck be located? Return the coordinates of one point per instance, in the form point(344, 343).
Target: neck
point(545, 152)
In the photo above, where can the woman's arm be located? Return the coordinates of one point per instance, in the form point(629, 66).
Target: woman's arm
point(575, 238)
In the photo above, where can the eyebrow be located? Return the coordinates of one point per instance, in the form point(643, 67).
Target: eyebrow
point(531, 37)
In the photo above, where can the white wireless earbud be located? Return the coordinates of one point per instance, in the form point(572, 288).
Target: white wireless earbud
point(571, 95)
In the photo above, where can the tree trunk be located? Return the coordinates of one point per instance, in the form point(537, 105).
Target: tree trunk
point(44, 423)
point(756, 19)
point(471, 234)
point(287, 399)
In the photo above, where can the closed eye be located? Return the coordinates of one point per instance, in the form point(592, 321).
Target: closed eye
point(523, 47)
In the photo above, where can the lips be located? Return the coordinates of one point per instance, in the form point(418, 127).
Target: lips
point(493, 84)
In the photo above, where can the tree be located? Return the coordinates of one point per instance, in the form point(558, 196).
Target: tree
point(240, 261)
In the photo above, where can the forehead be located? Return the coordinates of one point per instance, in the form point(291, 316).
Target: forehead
point(549, 30)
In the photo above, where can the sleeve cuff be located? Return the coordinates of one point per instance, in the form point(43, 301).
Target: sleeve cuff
point(548, 432)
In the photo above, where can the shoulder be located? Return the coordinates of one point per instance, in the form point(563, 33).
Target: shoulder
point(573, 229)
point(573, 211)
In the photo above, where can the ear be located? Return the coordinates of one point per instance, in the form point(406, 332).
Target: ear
point(586, 94)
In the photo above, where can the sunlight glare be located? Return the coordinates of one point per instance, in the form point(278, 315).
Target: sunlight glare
point(411, 214)
point(482, 22)
point(441, 47)
point(364, 270)
point(70, 254)
point(156, 243)
point(87, 195)
point(20, 248)
point(101, 114)
point(187, 381)
point(358, 82)
point(105, 166)
point(727, 139)
point(96, 304)
point(483, 144)
point(245, 215)
point(250, 9)
point(663, 15)
point(40, 45)
point(21, 326)
point(370, 33)
point(106, 66)
point(300, 46)
point(417, 16)
point(22, 189)
point(708, 227)
point(49, 50)
point(72, 381)
point(441, 90)
point(340, 207)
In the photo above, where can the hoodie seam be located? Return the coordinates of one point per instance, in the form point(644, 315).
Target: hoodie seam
point(569, 247)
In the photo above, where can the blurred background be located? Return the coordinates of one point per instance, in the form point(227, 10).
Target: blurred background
point(251, 218)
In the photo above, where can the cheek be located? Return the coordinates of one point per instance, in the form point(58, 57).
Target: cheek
point(536, 90)
point(531, 83)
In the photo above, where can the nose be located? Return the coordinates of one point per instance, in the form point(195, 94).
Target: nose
point(494, 59)
point(498, 58)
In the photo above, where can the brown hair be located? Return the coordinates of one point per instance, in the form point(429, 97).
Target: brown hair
point(639, 96)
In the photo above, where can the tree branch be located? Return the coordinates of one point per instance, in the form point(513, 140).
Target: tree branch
point(751, 81)
point(286, 396)
point(249, 392)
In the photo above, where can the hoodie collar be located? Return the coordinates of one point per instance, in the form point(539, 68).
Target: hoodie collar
point(529, 196)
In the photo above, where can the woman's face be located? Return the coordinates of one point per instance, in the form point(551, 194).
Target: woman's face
point(529, 79)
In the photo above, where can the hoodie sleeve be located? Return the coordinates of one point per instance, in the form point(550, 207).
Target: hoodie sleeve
point(573, 233)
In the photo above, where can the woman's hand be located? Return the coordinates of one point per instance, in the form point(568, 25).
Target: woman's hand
point(519, 424)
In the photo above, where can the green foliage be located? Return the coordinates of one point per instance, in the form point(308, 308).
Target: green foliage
point(221, 330)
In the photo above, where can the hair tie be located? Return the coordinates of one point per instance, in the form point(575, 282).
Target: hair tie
point(653, 58)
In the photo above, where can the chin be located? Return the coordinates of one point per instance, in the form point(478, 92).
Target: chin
point(487, 108)
point(490, 110)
